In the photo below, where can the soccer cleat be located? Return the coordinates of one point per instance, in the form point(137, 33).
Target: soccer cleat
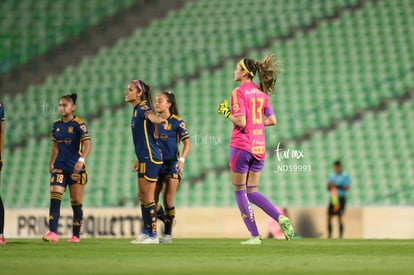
point(51, 237)
point(166, 239)
point(2, 240)
point(286, 227)
point(139, 239)
point(74, 239)
point(146, 239)
point(253, 241)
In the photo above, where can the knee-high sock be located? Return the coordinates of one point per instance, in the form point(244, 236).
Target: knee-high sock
point(341, 230)
point(169, 220)
point(1, 217)
point(77, 218)
point(329, 230)
point(54, 210)
point(246, 211)
point(262, 202)
point(149, 215)
point(144, 219)
point(160, 212)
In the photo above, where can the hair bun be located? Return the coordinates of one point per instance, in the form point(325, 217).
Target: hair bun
point(74, 96)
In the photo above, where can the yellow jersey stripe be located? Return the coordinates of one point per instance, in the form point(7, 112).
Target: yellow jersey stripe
point(148, 144)
point(234, 95)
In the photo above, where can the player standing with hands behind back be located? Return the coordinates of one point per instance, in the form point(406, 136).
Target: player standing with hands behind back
point(149, 158)
point(250, 112)
point(71, 145)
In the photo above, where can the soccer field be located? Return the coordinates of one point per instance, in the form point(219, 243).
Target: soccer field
point(203, 256)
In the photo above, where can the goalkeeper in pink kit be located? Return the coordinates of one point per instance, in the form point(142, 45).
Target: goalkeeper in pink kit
point(250, 112)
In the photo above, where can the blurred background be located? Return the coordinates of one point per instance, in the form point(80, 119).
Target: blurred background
point(346, 93)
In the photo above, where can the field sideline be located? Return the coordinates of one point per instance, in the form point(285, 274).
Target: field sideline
point(203, 256)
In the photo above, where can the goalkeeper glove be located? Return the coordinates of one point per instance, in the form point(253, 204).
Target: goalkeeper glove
point(223, 108)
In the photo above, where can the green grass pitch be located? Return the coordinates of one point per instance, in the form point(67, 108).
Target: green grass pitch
point(208, 256)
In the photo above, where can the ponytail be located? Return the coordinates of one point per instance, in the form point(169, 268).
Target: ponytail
point(171, 99)
point(72, 98)
point(267, 69)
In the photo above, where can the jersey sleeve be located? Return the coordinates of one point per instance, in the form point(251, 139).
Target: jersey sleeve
point(84, 135)
point(268, 110)
point(237, 103)
point(144, 109)
point(182, 130)
point(331, 178)
point(1, 111)
point(53, 131)
point(347, 180)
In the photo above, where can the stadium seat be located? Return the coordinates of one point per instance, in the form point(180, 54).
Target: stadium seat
point(33, 28)
point(331, 72)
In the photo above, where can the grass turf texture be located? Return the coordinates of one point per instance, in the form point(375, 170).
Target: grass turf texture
point(207, 256)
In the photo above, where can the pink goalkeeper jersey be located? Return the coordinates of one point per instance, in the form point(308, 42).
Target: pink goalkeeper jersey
point(249, 101)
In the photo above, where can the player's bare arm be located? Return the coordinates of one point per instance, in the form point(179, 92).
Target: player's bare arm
point(87, 145)
point(239, 121)
point(53, 154)
point(186, 149)
point(270, 121)
point(156, 119)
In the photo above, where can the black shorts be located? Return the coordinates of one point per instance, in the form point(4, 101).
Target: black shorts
point(341, 210)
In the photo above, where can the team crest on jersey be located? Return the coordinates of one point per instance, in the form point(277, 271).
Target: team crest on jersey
point(169, 127)
point(68, 141)
point(164, 137)
point(182, 125)
point(70, 130)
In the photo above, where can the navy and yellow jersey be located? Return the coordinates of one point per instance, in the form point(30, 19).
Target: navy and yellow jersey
point(1, 111)
point(143, 134)
point(1, 120)
point(69, 137)
point(170, 138)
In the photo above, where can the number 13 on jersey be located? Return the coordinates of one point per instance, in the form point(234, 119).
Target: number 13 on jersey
point(257, 110)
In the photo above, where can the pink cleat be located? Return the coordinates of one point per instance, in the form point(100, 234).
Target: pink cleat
point(51, 237)
point(2, 240)
point(74, 239)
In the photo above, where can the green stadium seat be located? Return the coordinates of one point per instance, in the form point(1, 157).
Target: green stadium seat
point(330, 73)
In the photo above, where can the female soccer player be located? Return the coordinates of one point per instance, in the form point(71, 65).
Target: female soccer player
point(170, 173)
point(149, 158)
point(71, 145)
point(2, 239)
point(250, 112)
